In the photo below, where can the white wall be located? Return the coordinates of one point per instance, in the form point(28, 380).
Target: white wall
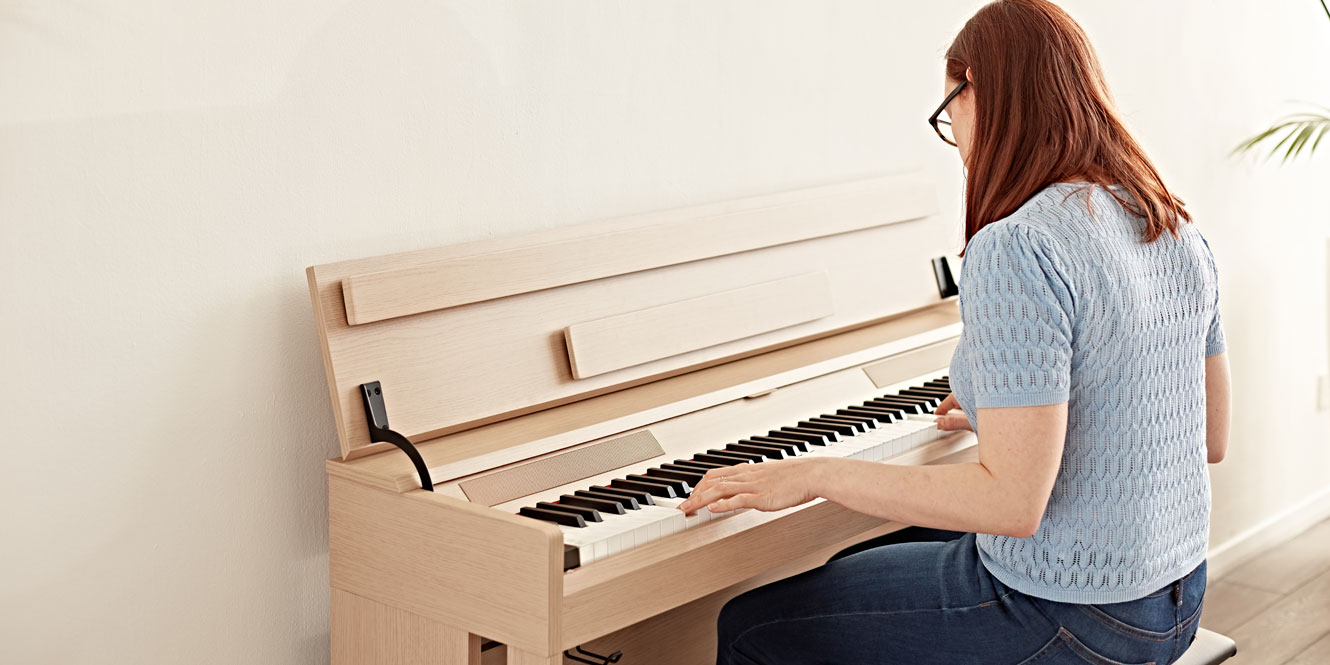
point(167, 170)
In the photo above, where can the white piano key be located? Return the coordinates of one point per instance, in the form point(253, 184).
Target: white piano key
point(619, 533)
point(635, 528)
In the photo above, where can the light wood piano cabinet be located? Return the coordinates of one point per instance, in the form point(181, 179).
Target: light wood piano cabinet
point(518, 369)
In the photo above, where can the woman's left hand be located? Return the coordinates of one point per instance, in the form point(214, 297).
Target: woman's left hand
point(766, 486)
point(950, 417)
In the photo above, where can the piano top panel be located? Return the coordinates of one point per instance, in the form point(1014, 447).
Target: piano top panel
point(467, 335)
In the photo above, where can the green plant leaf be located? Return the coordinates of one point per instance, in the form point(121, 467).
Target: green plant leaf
point(1295, 132)
point(1320, 135)
point(1296, 146)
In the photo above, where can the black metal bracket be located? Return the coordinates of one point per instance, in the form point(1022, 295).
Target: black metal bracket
point(599, 659)
point(946, 286)
point(376, 416)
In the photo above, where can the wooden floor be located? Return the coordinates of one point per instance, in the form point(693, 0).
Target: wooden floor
point(1277, 606)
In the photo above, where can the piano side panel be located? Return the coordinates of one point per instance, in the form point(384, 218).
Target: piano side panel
point(468, 567)
point(365, 632)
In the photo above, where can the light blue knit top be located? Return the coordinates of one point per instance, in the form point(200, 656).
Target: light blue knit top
point(1063, 302)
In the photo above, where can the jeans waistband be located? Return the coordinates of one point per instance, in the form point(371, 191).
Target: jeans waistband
point(1179, 585)
point(1176, 586)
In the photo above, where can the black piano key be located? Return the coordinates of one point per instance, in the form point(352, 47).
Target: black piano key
point(802, 445)
point(704, 466)
point(638, 496)
point(700, 473)
point(571, 558)
point(882, 413)
point(827, 435)
point(905, 399)
point(860, 423)
point(726, 460)
point(925, 403)
point(904, 395)
point(650, 489)
point(911, 392)
point(769, 453)
point(938, 384)
point(588, 514)
point(791, 448)
point(879, 415)
point(690, 477)
point(831, 434)
point(769, 450)
point(939, 395)
point(734, 453)
point(661, 487)
point(602, 505)
point(556, 516)
point(807, 437)
point(839, 428)
point(908, 406)
point(869, 422)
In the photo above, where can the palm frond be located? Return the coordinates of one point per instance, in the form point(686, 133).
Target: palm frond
point(1294, 132)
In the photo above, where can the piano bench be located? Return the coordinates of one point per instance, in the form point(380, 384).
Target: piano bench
point(1209, 648)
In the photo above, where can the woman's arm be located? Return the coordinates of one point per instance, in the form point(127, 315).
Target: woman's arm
point(1016, 299)
point(1218, 402)
point(1004, 493)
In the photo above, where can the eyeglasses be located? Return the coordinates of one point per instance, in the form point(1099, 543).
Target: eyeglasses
point(943, 127)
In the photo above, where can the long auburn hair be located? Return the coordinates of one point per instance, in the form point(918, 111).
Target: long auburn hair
point(1043, 113)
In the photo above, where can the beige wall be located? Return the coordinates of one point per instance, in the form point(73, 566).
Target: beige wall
point(167, 170)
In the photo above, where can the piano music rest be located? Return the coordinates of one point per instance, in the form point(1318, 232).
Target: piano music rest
point(563, 390)
point(1209, 648)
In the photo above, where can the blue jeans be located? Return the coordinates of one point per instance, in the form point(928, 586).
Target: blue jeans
point(922, 596)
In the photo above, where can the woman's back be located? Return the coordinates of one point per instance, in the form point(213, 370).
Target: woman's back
point(1063, 301)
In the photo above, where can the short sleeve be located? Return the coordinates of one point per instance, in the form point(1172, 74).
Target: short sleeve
point(1214, 338)
point(1016, 309)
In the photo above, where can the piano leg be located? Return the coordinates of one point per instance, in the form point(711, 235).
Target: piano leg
point(365, 632)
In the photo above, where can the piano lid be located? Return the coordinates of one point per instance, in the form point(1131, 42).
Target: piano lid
point(465, 335)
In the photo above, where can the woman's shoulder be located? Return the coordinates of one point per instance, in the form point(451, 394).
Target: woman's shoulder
point(1061, 203)
point(1061, 218)
point(1026, 230)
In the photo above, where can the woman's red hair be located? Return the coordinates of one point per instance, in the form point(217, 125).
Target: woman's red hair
point(1043, 114)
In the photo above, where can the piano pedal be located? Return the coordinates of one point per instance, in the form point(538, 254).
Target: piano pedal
point(599, 659)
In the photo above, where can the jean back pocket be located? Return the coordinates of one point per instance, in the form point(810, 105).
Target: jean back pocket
point(1065, 649)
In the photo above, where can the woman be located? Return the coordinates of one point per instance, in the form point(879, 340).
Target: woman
point(1092, 367)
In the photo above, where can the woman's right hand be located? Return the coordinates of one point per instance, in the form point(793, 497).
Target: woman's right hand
point(950, 417)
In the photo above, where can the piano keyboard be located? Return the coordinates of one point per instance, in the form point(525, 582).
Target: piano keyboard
point(629, 511)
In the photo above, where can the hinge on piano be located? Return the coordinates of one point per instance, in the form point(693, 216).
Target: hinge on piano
point(600, 660)
point(376, 416)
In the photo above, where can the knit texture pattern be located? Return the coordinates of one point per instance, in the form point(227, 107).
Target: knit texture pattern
point(1063, 302)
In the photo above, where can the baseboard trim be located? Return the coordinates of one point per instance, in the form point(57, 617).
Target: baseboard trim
point(1269, 532)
